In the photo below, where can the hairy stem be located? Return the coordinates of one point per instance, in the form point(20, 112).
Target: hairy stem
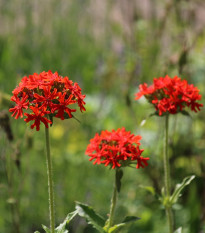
point(167, 175)
point(113, 203)
point(50, 182)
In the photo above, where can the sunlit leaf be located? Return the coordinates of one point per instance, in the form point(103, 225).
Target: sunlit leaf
point(116, 227)
point(46, 229)
point(61, 227)
point(149, 189)
point(179, 230)
point(179, 188)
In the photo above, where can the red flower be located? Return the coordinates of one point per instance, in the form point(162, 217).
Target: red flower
point(37, 117)
point(50, 93)
point(61, 107)
point(20, 104)
point(171, 95)
point(46, 100)
point(116, 148)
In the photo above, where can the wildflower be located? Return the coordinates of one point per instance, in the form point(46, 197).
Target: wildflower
point(37, 116)
point(171, 95)
point(20, 105)
point(117, 148)
point(46, 95)
point(61, 106)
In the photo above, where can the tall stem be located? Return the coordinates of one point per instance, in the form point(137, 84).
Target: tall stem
point(167, 175)
point(113, 202)
point(50, 182)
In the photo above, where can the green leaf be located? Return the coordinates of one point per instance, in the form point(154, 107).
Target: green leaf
point(125, 222)
point(185, 113)
point(118, 177)
point(116, 227)
point(179, 230)
point(61, 227)
point(91, 216)
point(179, 187)
point(149, 189)
point(130, 219)
point(46, 229)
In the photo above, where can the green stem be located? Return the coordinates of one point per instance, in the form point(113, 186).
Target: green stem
point(50, 182)
point(167, 176)
point(113, 203)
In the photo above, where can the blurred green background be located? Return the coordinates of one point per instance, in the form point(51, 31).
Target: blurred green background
point(109, 48)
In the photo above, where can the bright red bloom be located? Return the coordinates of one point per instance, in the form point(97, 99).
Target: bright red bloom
point(46, 93)
point(171, 95)
point(20, 104)
point(37, 117)
point(47, 99)
point(61, 106)
point(117, 148)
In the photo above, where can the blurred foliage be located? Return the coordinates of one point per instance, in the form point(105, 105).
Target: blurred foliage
point(109, 48)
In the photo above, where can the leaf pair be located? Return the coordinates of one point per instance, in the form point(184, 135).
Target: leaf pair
point(170, 201)
point(99, 222)
point(179, 187)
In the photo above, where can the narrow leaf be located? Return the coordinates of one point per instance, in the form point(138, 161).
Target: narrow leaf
point(185, 113)
point(116, 227)
point(130, 219)
point(91, 216)
point(149, 189)
point(179, 188)
point(179, 230)
point(36, 232)
point(126, 221)
point(61, 227)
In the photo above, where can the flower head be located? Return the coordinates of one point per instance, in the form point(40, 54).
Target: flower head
point(171, 95)
point(116, 148)
point(46, 95)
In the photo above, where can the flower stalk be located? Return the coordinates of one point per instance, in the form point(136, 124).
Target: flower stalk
point(113, 202)
point(167, 176)
point(50, 182)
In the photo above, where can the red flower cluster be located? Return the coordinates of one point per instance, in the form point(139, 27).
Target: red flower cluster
point(171, 95)
point(117, 148)
point(46, 94)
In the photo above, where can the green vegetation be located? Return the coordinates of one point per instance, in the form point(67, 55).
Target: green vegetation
point(109, 48)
